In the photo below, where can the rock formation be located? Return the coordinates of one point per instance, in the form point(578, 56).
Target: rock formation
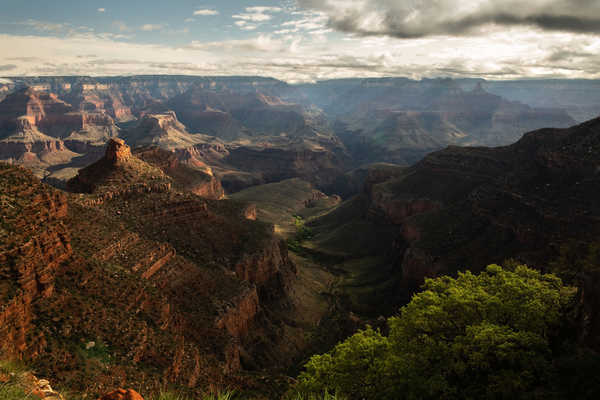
point(119, 171)
point(39, 130)
point(189, 175)
point(153, 276)
point(468, 207)
point(122, 394)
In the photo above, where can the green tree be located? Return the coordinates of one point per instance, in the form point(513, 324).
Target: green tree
point(470, 337)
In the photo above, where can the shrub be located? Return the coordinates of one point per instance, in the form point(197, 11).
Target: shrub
point(473, 337)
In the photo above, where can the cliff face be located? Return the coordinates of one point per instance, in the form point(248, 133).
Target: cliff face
point(468, 207)
point(39, 130)
point(156, 278)
point(318, 165)
point(162, 130)
point(34, 242)
point(246, 112)
point(188, 174)
point(387, 129)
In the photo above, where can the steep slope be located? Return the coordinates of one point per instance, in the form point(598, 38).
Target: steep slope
point(169, 287)
point(39, 130)
point(119, 171)
point(580, 97)
point(163, 130)
point(402, 124)
point(466, 207)
point(229, 115)
point(241, 119)
point(401, 120)
point(188, 175)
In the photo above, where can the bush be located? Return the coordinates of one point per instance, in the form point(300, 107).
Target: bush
point(473, 337)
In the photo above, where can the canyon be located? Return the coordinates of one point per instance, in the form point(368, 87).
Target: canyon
point(213, 232)
point(252, 130)
point(112, 262)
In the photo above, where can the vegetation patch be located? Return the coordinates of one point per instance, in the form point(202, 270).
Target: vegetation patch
point(477, 336)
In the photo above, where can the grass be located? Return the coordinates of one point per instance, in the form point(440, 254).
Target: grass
point(10, 391)
point(276, 202)
point(170, 395)
point(302, 233)
point(312, 396)
point(11, 387)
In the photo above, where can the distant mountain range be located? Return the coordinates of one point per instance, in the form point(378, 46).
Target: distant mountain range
point(252, 130)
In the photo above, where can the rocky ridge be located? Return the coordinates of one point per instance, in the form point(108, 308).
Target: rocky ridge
point(467, 207)
point(195, 290)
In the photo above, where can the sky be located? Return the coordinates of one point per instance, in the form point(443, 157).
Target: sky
point(302, 40)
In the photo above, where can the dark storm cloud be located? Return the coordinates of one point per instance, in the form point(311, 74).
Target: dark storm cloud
point(420, 18)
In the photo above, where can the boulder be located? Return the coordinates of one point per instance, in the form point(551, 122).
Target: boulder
point(122, 394)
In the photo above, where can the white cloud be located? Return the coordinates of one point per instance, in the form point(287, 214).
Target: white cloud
point(264, 9)
point(189, 20)
point(102, 10)
point(255, 17)
point(43, 26)
point(152, 27)
point(256, 14)
point(245, 25)
point(121, 26)
point(261, 43)
point(206, 12)
point(302, 51)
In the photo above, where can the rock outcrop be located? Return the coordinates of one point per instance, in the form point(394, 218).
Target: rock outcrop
point(468, 207)
point(117, 151)
point(39, 130)
point(188, 175)
point(119, 172)
point(158, 277)
point(122, 394)
point(34, 243)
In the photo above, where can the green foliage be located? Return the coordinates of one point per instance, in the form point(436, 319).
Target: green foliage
point(9, 391)
point(483, 336)
point(303, 233)
point(11, 387)
point(171, 395)
point(99, 351)
point(311, 396)
point(337, 370)
point(577, 259)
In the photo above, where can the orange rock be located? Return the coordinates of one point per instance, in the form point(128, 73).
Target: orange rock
point(122, 394)
point(117, 150)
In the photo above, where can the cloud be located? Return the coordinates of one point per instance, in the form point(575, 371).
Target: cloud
point(302, 52)
point(311, 21)
point(102, 10)
point(7, 67)
point(260, 43)
point(257, 14)
point(43, 26)
point(206, 12)
point(151, 27)
point(403, 19)
point(121, 26)
point(264, 9)
point(245, 25)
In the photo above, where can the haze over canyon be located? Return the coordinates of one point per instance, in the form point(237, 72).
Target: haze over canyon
point(300, 200)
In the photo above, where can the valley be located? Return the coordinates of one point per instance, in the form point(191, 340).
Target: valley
point(213, 233)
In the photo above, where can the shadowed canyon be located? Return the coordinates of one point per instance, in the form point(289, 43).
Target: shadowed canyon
point(213, 233)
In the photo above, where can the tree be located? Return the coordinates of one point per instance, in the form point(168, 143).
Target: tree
point(470, 337)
